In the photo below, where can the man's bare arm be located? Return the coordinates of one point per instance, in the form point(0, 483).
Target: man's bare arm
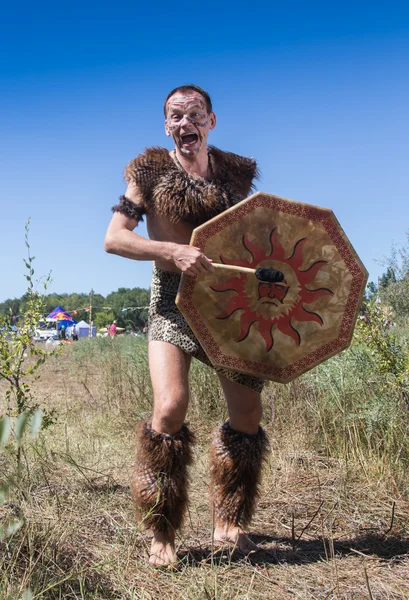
point(122, 240)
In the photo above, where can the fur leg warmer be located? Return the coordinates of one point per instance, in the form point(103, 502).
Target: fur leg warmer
point(236, 461)
point(160, 478)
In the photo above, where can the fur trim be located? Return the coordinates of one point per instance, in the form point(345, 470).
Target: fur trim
point(147, 168)
point(160, 479)
point(238, 171)
point(236, 461)
point(129, 209)
point(171, 192)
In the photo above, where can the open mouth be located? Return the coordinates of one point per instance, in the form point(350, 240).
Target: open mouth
point(188, 139)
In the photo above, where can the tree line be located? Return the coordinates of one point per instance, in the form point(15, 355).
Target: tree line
point(126, 306)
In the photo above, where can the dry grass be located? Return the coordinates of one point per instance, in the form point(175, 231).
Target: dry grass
point(329, 528)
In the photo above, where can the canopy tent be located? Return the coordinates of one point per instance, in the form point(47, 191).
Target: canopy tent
point(82, 329)
point(60, 317)
point(56, 310)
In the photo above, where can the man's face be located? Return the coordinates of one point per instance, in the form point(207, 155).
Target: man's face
point(188, 121)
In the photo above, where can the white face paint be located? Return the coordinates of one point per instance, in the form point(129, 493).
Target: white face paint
point(187, 122)
point(186, 109)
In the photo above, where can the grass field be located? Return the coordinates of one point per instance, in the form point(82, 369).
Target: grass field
point(333, 519)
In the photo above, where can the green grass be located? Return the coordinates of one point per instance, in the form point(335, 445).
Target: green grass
point(334, 506)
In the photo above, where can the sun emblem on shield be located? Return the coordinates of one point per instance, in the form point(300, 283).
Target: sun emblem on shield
point(273, 305)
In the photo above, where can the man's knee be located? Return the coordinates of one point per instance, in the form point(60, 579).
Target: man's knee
point(170, 411)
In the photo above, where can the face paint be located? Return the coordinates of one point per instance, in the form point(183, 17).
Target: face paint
point(183, 110)
point(188, 122)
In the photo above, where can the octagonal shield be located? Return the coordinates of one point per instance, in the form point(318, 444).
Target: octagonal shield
point(276, 330)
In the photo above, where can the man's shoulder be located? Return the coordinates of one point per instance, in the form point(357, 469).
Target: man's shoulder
point(155, 153)
point(152, 155)
point(151, 161)
point(233, 165)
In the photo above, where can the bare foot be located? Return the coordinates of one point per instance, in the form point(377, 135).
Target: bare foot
point(163, 550)
point(235, 535)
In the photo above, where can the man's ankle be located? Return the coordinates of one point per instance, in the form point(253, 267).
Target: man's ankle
point(167, 537)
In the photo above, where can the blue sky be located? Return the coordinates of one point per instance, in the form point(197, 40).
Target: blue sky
point(317, 92)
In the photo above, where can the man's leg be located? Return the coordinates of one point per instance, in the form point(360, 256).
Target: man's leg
point(160, 480)
point(237, 453)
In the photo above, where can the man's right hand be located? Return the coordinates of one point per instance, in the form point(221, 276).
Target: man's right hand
point(191, 260)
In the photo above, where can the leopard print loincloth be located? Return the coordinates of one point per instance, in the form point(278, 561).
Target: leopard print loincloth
point(167, 324)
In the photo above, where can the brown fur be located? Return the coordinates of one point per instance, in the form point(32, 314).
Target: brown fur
point(236, 461)
point(169, 191)
point(160, 478)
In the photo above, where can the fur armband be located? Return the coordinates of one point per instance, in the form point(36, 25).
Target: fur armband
point(129, 209)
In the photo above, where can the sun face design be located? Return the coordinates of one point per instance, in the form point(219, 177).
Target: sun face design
point(272, 305)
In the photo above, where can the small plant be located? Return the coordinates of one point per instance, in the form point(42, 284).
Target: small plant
point(390, 355)
point(21, 357)
point(6, 427)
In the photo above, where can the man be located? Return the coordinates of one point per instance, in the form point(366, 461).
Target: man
point(177, 191)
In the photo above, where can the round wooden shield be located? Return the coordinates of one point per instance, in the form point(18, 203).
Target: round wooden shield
point(276, 330)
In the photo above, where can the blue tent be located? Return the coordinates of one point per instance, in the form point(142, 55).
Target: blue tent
point(9, 328)
point(56, 310)
point(60, 317)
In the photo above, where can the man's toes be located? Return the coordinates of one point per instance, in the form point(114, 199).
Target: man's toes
point(161, 561)
point(162, 556)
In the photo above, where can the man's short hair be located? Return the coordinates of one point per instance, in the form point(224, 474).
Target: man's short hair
point(186, 88)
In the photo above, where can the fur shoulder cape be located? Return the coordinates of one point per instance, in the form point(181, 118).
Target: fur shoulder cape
point(169, 191)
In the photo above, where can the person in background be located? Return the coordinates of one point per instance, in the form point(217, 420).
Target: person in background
point(112, 329)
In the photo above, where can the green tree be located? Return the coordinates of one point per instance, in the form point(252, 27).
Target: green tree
point(371, 291)
point(10, 307)
point(396, 292)
point(102, 319)
point(387, 278)
point(129, 307)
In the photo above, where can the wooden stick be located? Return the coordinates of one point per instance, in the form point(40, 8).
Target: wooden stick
point(234, 268)
point(264, 274)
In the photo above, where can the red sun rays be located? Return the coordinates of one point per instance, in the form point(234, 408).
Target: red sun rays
point(276, 292)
